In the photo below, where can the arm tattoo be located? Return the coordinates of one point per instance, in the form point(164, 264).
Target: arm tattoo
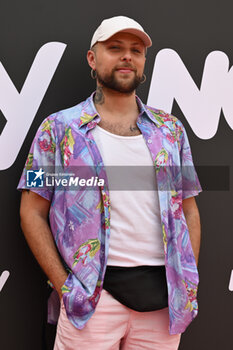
point(99, 96)
point(26, 190)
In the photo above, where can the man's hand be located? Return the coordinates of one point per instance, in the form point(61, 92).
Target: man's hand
point(192, 217)
point(34, 211)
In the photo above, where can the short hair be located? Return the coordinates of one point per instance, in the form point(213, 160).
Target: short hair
point(93, 48)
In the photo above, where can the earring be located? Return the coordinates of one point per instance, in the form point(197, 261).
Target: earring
point(143, 79)
point(93, 74)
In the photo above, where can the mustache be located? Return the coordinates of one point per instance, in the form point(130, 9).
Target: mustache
point(126, 65)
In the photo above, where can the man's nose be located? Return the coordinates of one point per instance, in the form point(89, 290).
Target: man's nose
point(126, 56)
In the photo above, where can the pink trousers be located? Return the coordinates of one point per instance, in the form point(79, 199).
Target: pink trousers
point(114, 326)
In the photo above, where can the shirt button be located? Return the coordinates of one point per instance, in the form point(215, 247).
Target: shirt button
point(140, 122)
point(149, 141)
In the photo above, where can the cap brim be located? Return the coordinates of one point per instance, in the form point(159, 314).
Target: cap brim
point(140, 34)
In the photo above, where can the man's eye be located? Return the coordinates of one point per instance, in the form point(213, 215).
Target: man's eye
point(114, 47)
point(136, 50)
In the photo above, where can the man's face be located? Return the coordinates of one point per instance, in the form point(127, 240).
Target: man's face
point(119, 62)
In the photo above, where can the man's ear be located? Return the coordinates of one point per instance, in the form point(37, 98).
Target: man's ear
point(91, 59)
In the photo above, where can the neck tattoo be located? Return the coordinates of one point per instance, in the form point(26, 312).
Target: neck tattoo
point(99, 96)
point(133, 128)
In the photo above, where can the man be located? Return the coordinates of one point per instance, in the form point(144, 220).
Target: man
point(115, 289)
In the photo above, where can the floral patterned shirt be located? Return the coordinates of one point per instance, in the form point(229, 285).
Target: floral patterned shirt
point(80, 217)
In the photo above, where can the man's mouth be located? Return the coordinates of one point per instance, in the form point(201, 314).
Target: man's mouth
point(125, 69)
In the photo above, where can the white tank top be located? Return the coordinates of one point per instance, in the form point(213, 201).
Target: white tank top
point(136, 234)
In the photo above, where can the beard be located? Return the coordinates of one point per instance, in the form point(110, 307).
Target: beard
point(120, 85)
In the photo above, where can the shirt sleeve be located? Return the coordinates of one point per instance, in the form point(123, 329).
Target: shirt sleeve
point(40, 160)
point(190, 182)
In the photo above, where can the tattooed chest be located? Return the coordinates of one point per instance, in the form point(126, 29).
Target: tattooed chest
point(119, 129)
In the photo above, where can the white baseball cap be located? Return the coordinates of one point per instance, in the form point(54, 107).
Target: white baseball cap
point(113, 25)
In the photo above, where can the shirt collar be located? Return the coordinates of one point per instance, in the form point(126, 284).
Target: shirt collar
point(89, 116)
